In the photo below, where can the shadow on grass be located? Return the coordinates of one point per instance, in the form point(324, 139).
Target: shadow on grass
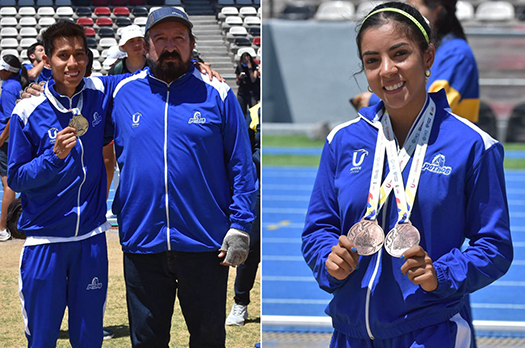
point(253, 320)
point(118, 331)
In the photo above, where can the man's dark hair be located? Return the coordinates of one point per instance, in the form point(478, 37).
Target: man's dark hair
point(31, 50)
point(62, 28)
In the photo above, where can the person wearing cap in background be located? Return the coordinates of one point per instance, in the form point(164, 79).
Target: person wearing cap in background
point(14, 77)
point(114, 56)
point(131, 42)
point(187, 188)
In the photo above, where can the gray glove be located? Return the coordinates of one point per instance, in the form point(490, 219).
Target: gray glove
point(236, 243)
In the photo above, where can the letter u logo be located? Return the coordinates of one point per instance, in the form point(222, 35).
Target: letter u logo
point(52, 132)
point(136, 117)
point(355, 161)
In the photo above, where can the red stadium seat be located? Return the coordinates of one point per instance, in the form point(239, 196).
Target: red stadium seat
point(104, 21)
point(257, 41)
point(86, 22)
point(89, 31)
point(121, 11)
point(102, 11)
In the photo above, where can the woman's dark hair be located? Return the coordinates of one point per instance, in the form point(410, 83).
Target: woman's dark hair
point(249, 55)
point(412, 30)
point(446, 21)
point(62, 28)
point(15, 63)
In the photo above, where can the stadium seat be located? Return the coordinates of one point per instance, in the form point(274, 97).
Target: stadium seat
point(243, 2)
point(487, 119)
point(235, 32)
point(222, 3)
point(46, 11)
point(96, 53)
point(259, 12)
point(12, 51)
point(90, 31)
point(40, 3)
point(9, 43)
point(104, 22)
point(335, 11)
point(102, 11)
point(8, 22)
point(63, 3)
point(247, 11)
point(121, 11)
point(4, 3)
point(107, 42)
point(65, 11)
point(45, 22)
point(464, 10)
point(520, 13)
point(27, 12)
point(495, 11)
point(257, 3)
point(96, 65)
point(99, 3)
point(106, 32)
point(82, 2)
point(173, 3)
point(26, 42)
point(231, 21)
point(254, 31)
point(227, 11)
point(83, 12)
point(91, 42)
point(241, 50)
point(86, 22)
point(26, 3)
point(8, 32)
point(257, 41)
point(118, 2)
point(516, 125)
point(8, 11)
point(298, 11)
point(140, 21)
point(251, 21)
point(239, 42)
point(23, 55)
point(136, 2)
point(28, 32)
point(139, 11)
point(27, 22)
point(122, 22)
point(364, 7)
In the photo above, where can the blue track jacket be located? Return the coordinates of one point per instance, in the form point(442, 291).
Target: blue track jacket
point(461, 195)
point(60, 198)
point(10, 93)
point(186, 173)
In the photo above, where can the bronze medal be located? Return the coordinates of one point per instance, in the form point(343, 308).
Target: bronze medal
point(80, 123)
point(367, 236)
point(401, 238)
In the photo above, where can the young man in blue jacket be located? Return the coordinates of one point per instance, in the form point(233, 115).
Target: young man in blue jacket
point(55, 161)
point(187, 188)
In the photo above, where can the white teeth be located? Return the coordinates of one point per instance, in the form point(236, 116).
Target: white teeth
point(73, 74)
point(396, 86)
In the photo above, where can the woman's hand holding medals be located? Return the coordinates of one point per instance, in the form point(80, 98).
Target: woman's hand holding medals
point(65, 140)
point(419, 268)
point(343, 260)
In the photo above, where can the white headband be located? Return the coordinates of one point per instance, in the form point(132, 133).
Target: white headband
point(5, 66)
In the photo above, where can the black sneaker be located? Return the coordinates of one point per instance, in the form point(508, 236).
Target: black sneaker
point(108, 333)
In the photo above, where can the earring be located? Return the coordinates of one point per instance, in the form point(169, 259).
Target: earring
point(370, 90)
point(428, 73)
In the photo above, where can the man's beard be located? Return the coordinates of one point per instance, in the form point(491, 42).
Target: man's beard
point(168, 71)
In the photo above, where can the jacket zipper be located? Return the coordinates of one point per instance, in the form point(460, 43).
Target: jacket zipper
point(166, 167)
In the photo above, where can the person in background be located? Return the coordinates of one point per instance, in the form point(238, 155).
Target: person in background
point(248, 79)
point(37, 70)
point(113, 57)
point(132, 43)
point(14, 77)
point(398, 191)
point(247, 271)
point(455, 69)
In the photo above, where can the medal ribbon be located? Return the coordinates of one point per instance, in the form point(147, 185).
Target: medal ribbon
point(76, 111)
point(405, 198)
point(377, 175)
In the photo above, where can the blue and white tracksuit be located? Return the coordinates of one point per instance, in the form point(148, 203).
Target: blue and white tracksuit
point(186, 173)
point(10, 93)
point(461, 196)
point(64, 259)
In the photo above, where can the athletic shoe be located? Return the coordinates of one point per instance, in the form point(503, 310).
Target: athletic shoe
point(238, 315)
point(108, 333)
point(5, 235)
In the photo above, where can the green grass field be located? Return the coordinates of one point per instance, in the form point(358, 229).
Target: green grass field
point(116, 316)
point(313, 161)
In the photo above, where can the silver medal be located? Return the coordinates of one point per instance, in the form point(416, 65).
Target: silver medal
point(367, 236)
point(401, 238)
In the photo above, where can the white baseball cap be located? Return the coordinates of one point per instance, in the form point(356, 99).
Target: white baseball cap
point(114, 54)
point(130, 32)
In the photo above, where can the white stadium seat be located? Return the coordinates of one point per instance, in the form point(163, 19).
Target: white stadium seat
point(46, 11)
point(65, 11)
point(25, 43)
point(495, 11)
point(464, 10)
point(28, 32)
point(9, 43)
point(26, 11)
point(12, 51)
point(107, 42)
point(8, 22)
point(247, 11)
point(8, 11)
point(27, 22)
point(8, 32)
point(335, 11)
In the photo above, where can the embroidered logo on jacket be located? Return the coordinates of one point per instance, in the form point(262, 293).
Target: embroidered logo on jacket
point(95, 284)
point(357, 159)
point(437, 166)
point(197, 118)
point(136, 118)
point(96, 119)
point(52, 132)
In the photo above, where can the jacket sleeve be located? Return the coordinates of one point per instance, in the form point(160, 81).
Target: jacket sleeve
point(239, 164)
point(490, 251)
point(24, 171)
point(323, 225)
point(9, 97)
